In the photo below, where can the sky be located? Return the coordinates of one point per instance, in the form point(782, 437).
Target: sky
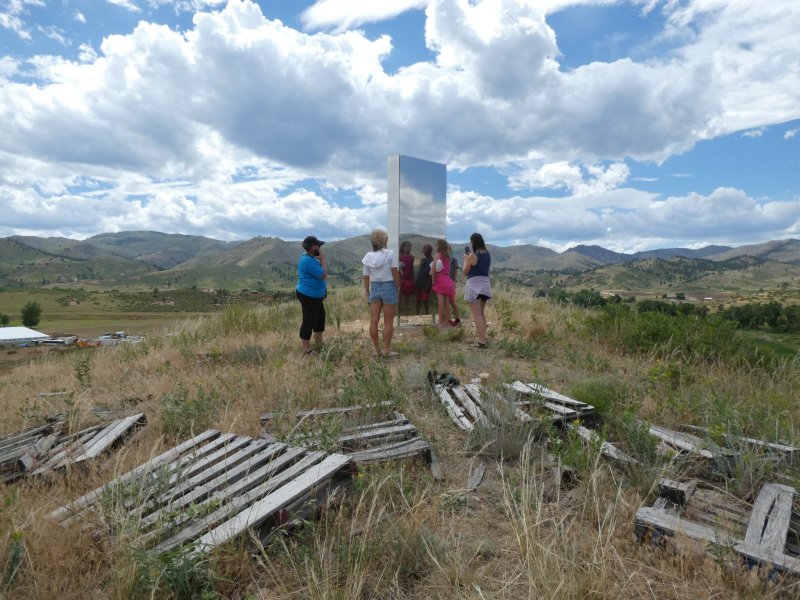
point(634, 125)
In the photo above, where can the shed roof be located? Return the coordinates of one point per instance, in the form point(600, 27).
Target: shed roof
point(21, 334)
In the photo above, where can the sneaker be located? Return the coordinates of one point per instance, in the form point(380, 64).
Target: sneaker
point(456, 322)
point(478, 345)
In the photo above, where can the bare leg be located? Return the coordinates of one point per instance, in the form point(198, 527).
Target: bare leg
point(388, 326)
point(318, 337)
point(374, 317)
point(476, 308)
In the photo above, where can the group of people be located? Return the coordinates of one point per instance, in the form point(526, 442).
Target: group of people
point(390, 279)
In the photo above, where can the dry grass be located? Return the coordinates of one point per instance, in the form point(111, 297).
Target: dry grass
point(396, 533)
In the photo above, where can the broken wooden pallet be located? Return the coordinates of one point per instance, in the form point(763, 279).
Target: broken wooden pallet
point(49, 448)
point(209, 490)
point(367, 433)
point(534, 398)
point(469, 405)
point(783, 452)
point(768, 534)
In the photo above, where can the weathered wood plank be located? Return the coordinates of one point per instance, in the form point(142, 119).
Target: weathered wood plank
point(476, 476)
point(762, 555)
point(537, 389)
point(790, 451)
point(456, 414)
point(472, 409)
point(651, 518)
point(239, 503)
point(336, 410)
point(682, 441)
point(436, 468)
point(395, 451)
point(769, 521)
point(292, 491)
point(109, 435)
point(292, 460)
point(77, 506)
point(606, 448)
point(677, 491)
point(491, 405)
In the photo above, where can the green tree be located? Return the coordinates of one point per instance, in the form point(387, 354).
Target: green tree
point(4, 319)
point(31, 314)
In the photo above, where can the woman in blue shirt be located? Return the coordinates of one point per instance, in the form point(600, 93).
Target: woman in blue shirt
point(311, 290)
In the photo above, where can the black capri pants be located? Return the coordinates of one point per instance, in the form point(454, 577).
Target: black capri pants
point(313, 315)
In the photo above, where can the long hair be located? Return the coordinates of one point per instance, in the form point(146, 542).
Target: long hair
point(379, 239)
point(405, 247)
point(476, 239)
point(443, 248)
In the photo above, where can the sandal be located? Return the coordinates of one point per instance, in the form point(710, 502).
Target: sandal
point(478, 345)
point(391, 354)
point(309, 352)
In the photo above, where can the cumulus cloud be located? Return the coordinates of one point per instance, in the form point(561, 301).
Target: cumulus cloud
point(220, 128)
point(340, 15)
point(790, 134)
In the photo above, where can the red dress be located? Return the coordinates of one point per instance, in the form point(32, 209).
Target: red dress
point(406, 274)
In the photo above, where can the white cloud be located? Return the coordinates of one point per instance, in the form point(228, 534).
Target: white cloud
point(126, 4)
point(341, 15)
point(790, 134)
point(239, 94)
point(754, 133)
point(79, 16)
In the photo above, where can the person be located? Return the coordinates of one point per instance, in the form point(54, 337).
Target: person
point(456, 320)
point(406, 277)
point(423, 279)
point(382, 283)
point(311, 290)
point(477, 291)
point(442, 283)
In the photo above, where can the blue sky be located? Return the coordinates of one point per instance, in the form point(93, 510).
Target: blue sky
point(634, 125)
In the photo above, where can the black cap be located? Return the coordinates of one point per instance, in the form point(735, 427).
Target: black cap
point(311, 241)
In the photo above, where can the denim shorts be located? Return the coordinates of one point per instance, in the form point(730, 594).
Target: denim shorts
point(384, 291)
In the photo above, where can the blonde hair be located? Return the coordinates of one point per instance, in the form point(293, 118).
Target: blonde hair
point(379, 239)
point(443, 248)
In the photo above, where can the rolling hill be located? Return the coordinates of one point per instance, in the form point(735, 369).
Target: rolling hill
point(144, 259)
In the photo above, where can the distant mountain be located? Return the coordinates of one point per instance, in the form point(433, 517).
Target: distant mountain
point(600, 255)
point(146, 259)
point(705, 252)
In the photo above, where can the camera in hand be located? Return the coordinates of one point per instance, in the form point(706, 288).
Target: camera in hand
point(467, 250)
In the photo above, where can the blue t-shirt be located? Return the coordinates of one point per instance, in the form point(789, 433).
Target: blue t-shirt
point(481, 267)
point(309, 277)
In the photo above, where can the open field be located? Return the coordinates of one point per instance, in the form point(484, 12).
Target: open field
point(397, 532)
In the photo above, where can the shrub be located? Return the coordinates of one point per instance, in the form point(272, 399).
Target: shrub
point(184, 415)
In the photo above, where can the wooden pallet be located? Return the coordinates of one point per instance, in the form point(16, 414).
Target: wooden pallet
point(768, 534)
point(469, 405)
point(210, 489)
point(536, 399)
point(367, 433)
point(48, 448)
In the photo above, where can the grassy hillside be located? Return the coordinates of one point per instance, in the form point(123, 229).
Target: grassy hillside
point(396, 533)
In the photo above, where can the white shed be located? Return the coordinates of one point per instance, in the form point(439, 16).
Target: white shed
point(14, 336)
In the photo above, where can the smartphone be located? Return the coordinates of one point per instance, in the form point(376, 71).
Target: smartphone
point(467, 250)
point(316, 252)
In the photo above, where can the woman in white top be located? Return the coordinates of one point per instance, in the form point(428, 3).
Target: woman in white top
point(382, 282)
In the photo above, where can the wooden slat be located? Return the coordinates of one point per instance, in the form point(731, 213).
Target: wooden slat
point(77, 506)
point(222, 474)
point(402, 430)
point(239, 503)
point(488, 405)
point(651, 518)
point(110, 434)
point(762, 555)
point(291, 492)
point(791, 452)
point(681, 441)
point(453, 410)
point(393, 451)
point(678, 491)
point(769, 521)
point(539, 390)
point(336, 410)
point(476, 476)
point(471, 408)
point(436, 467)
point(605, 448)
point(288, 462)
